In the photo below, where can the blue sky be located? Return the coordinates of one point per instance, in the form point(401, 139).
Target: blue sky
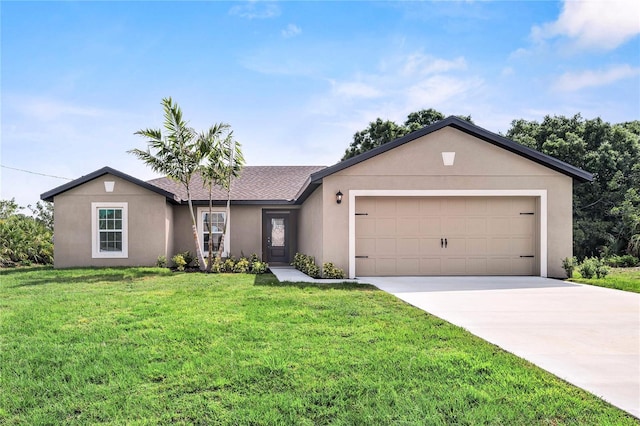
point(295, 80)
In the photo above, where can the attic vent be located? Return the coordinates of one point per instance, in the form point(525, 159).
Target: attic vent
point(108, 186)
point(448, 158)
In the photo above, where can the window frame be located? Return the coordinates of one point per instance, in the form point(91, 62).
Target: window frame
point(201, 211)
point(96, 253)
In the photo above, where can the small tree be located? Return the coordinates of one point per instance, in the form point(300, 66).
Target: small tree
point(224, 162)
point(175, 154)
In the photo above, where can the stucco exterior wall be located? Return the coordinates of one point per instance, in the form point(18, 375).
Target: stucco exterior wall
point(310, 225)
point(478, 165)
point(72, 224)
point(245, 228)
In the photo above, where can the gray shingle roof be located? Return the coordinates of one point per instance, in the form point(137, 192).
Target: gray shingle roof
point(256, 183)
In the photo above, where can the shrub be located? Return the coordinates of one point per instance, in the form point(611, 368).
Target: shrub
point(569, 265)
point(306, 264)
point(329, 270)
point(593, 266)
point(626, 261)
point(259, 267)
point(179, 261)
point(189, 258)
point(24, 240)
point(228, 265)
point(161, 262)
point(241, 266)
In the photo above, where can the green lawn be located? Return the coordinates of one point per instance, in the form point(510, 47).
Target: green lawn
point(146, 346)
point(627, 279)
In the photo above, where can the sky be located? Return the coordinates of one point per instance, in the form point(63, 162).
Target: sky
point(295, 80)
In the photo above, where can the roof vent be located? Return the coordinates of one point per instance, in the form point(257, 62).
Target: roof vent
point(448, 158)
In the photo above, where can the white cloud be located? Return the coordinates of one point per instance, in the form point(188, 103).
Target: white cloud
point(255, 10)
point(421, 64)
point(292, 30)
point(402, 84)
point(594, 24)
point(355, 89)
point(45, 109)
point(573, 81)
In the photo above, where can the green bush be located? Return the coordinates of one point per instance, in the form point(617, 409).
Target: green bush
point(569, 265)
point(626, 261)
point(329, 270)
point(259, 267)
point(228, 265)
point(593, 267)
point(241, 266)
point(306, 264)
point(24, 240)
point(161, 262)
point(179, 261)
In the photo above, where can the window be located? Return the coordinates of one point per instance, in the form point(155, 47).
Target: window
point(216, 222)
point(109, 230)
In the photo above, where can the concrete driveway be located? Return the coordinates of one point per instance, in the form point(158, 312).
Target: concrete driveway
point(588, 336)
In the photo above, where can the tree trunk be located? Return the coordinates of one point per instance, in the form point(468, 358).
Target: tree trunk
point(201, 261)
point(210, 260)
point(224, 230)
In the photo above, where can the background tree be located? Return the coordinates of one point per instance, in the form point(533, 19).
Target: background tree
point(602, 208)
point(381, 131)
point(24, 240)
point(176, 154)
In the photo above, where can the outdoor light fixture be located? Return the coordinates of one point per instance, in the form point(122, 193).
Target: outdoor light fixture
point(338, 197)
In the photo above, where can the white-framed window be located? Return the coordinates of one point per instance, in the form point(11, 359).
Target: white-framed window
point(215, 222)
point(109, 230)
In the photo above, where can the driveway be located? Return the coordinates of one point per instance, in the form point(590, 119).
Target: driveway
point(586, 335)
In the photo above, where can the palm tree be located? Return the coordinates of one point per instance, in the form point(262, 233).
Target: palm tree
point(224, 161)
point(175, 154)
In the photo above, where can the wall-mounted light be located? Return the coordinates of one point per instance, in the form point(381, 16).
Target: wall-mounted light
point(338, 197)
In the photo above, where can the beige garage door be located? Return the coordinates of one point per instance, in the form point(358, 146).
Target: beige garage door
point(446, 236)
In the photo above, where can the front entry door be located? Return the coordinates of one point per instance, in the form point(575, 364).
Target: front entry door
point(277, 237)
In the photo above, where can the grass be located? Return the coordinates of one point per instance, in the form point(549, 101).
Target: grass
point(627, 279)
point(146, 346)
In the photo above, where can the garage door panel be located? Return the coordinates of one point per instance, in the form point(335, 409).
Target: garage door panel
point(431, 207)
point(522, 225)
point(366, 246)
point(386, 226)
point(386, 266)
point(484, 235)
point(476, 266)
point(476, 226)
point(408, 207)
point(430, 226)
point(408, 225)
point(454, 225)
point(430, 247)
point(455, 265)
point(366, 267)
point(386, 246)
point(365, 227)
point(409, 266)
point(476, 246)
point(522, 246)
point(455, 247)
point(522, 266)
point(408, 246)
point(386, 207)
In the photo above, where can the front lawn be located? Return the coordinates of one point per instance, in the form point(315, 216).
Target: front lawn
point(627, 279)
point(146, 346)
